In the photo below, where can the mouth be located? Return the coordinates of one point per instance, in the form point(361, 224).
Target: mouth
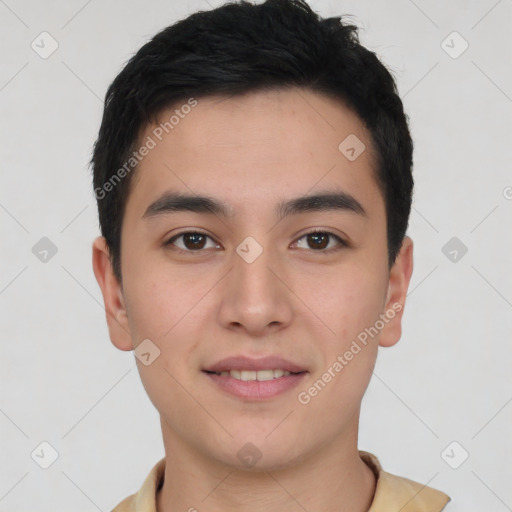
point(255, 379)
point(248, 364)
point(252, 375)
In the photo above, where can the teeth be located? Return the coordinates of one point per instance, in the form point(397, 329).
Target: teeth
point(261, 375)
point(248, 375)
point(265, 375)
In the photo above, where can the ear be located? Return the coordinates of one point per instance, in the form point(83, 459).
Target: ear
point(399, 278)
point(117, 319)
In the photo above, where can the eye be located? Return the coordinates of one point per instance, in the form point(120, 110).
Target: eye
point(193, 241)
point(320, 240)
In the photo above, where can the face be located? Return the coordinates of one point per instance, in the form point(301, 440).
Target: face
point(251, 278)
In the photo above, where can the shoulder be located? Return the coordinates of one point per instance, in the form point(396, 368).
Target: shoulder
point(145, 499)
point(393, 492)
point(127, 505)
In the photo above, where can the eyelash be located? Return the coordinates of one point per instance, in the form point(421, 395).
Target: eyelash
point(342, 243)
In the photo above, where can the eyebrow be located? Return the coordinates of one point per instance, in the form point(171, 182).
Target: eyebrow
point(172, 202)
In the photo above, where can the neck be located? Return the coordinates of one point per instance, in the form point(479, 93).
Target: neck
point(333, 479)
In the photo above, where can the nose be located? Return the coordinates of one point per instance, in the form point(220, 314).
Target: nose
point(255, 296)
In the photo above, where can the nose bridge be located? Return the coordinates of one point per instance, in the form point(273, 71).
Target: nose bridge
point(251, 267)
point(254, 297)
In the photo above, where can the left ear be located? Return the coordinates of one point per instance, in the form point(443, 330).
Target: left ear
point(399, 278)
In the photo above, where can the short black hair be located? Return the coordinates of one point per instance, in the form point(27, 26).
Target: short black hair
point(243, 47)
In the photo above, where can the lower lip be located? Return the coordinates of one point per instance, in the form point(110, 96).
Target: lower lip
point(254, 389)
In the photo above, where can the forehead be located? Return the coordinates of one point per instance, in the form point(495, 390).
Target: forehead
point(256, 146)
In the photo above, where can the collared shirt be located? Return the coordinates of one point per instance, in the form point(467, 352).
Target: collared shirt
point(392, 493)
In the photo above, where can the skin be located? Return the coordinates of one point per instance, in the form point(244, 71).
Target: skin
point(294, 300)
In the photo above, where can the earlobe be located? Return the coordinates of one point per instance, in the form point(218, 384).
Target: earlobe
point(399, 279)
point(113, 298)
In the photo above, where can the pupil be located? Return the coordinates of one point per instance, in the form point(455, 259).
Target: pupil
point(194, 237)
point(315, 237)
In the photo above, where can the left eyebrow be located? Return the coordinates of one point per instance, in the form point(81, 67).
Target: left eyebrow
point(341, 201)
point(172, 202)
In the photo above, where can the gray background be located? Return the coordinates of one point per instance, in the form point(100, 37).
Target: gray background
point(447, 380)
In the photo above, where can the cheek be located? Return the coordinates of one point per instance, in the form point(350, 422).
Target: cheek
point(151, 308)
point(161, 297)
point(347, 300)
point(164, 309)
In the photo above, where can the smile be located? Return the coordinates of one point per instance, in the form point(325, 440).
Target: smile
point(255, 386)
point(260, 375)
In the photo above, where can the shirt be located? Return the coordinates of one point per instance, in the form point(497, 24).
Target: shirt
point(392, 493)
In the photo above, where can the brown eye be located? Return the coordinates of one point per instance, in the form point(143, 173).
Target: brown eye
point(320, 240)
point(194, 241)
point(191, 241)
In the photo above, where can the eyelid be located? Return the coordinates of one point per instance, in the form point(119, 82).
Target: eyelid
point(341, 242)
point(192, 231)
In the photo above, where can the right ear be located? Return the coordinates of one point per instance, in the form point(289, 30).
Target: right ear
point(117, 319)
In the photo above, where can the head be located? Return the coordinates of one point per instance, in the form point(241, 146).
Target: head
point(249, 111)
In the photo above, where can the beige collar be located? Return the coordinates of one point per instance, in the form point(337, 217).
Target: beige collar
point(392, 493)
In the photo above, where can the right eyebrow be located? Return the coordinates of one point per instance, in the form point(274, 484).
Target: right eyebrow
point(172, 202)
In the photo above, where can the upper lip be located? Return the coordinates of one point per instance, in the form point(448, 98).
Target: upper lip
point(255, 364)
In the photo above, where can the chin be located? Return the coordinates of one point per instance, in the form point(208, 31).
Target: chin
point(256, 450)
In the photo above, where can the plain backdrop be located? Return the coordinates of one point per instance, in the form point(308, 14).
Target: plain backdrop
point(438, 409)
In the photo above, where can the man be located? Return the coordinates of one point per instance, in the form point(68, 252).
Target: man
point(253, 178)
